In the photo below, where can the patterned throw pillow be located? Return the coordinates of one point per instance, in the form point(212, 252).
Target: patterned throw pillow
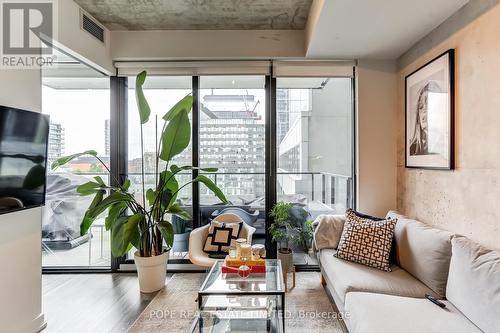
point(366, 241)
point(221, 236)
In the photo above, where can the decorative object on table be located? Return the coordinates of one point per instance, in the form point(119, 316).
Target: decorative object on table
point(244, 271)
point(429, 114)
point(232, 252)
point(258, 251)
point(239, 242)
point(147, 225)
point(245, 252)
point(371, 251)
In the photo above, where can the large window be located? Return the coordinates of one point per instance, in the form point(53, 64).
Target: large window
point(77, 100)
point(314, 151)
point(232, 139)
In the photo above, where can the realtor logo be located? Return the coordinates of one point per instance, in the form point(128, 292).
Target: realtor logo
point(25, 24)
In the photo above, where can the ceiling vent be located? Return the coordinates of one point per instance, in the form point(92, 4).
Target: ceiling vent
point(92, 27)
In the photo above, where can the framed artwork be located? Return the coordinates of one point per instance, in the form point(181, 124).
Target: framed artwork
point(429, 114)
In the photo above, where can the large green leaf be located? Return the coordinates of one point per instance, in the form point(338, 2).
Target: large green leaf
point(176, 136)
point(88, 218)
point(142, 103)
point(63, 160)
point(212, 187)
point(185, 104)
point(123, 231)
point(167, 231)
point(110, 200)
point(169, 187)
point(114, 212)
point(176, 169)
point(175, 209)
point(150, 196)
point(88, 188)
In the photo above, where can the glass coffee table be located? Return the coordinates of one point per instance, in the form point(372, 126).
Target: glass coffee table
point(230, 303)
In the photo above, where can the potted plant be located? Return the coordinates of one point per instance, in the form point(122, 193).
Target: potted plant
point(282, 233)
point(144, 224)
point(181, 234)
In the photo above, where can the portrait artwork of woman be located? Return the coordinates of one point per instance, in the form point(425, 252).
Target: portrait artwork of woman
point(419, 143)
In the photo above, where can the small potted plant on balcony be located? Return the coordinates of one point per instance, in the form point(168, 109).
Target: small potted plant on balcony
point(144, 224)
point(282, 233)
point(181, 234)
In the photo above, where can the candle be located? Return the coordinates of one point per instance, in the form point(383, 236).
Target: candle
point(245, 251)
point(239, 241)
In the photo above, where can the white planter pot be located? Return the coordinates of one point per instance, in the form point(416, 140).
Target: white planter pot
point(152, 271)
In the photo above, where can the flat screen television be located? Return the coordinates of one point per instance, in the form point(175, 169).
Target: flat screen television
point(23, 158)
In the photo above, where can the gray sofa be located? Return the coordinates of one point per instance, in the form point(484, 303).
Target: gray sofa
point(426, 260)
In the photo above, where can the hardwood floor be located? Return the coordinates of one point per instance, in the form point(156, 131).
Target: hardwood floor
point(92, 302)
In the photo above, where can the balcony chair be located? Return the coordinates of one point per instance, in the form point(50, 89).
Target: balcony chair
point(198, 237)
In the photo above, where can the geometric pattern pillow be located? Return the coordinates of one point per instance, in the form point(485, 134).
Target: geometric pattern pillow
point(366, 241)
point(221, 236)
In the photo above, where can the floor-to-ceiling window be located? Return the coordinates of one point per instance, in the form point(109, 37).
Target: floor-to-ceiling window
point(232, 139)
point(76, 98)
point(314, 138)
point(162, 93)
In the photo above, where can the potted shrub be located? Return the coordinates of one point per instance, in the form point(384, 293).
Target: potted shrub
point(282, 233)
point(145, 224)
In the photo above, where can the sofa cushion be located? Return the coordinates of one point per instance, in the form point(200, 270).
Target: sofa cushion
point(347, 277)
point(423, 251)
point(474, 283)
point(327, 231)
point(366, 241)
point(368, 313)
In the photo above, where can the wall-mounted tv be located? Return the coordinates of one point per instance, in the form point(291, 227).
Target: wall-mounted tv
point(23, 158)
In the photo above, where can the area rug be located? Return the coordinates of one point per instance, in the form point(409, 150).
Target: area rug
point(174, 307)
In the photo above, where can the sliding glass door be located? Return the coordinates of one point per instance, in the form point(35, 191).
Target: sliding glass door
point(232, 139)
point(76, 98)
point(314, 136)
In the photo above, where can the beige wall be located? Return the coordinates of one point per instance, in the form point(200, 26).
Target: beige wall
point(376, 136)
point(20, 232)
point(466, 200)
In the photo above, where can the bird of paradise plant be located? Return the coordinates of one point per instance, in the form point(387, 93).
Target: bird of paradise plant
point(144, 225)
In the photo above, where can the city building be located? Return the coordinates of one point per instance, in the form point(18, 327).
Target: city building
point(56, 141)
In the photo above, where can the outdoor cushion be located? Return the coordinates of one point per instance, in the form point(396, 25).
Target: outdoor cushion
point(370, 313)
point(474, 283)
point(347, 276)
point(423, 251)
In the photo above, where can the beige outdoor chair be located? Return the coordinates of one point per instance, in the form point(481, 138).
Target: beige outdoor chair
point(198, 237)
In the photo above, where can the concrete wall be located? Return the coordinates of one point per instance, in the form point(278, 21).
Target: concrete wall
point(464, 200)
point(376, 136)
point(206, 44)
point(79, 43)
point(20, 277)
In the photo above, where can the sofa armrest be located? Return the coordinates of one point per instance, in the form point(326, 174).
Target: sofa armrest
point(327, 231)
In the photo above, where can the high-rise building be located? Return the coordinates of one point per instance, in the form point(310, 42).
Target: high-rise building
point(56, 141)
point(107, 138)
point(232, 139)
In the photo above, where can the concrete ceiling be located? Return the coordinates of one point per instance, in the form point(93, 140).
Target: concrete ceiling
point(381, 29)
point(199, 14)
